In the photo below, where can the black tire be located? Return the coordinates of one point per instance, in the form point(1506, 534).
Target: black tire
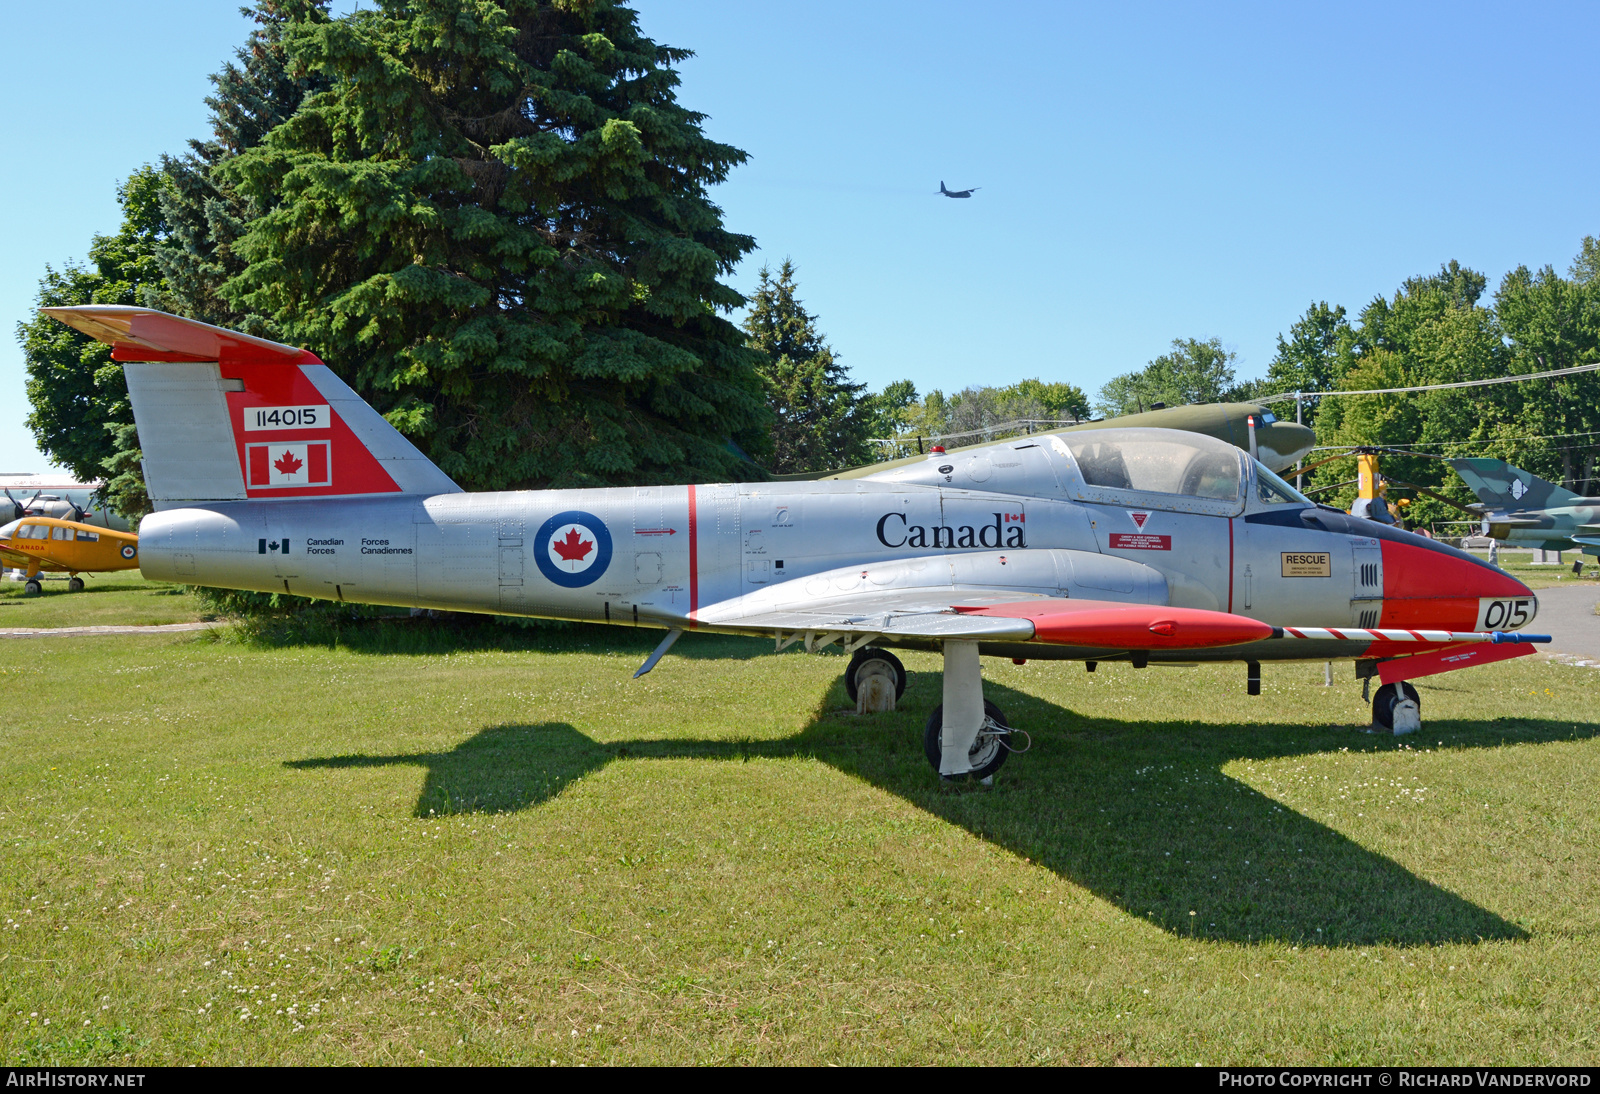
point(75, 585)
point(1387, 697)
point(986, 756)
point(33, 588)
point(861, 657)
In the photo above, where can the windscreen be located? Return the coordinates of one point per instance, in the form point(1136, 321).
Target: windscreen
point(1158, 461)
point(1274, 491)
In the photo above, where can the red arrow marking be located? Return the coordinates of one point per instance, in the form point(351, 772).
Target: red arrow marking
point(655, 531)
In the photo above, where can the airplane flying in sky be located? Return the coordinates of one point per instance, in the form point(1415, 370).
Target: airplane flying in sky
point(1521, 509)
point(70, 547)
point(1137, 545)
point(957, 193)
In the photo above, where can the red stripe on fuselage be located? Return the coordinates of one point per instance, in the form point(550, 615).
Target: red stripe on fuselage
point(694, 559)
point(1230, 565)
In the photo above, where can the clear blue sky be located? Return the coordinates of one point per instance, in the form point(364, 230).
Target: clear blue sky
point(1148, 171)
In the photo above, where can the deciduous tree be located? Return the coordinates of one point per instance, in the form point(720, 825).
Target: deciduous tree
point(1193, 372)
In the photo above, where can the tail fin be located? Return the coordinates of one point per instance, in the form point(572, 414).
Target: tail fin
point(224, 416)
point(942, 190)
point(1502, 486)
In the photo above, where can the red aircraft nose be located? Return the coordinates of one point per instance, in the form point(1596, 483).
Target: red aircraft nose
point(1426, 584)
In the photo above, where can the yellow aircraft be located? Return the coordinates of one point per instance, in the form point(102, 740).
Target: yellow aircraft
point(65, 546)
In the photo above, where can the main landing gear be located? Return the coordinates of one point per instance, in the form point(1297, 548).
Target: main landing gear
point(975, 739)
point(966, 734)
point(874, 662)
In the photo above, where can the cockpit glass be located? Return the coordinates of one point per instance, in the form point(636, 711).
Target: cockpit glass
point(1158, 462)
point(1274, 491)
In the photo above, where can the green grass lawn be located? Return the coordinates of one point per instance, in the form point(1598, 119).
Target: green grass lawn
point(497, 848)
point(1548, 575)
point(122, 598)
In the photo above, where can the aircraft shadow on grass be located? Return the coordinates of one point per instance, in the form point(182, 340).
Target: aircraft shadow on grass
point(1138, 812)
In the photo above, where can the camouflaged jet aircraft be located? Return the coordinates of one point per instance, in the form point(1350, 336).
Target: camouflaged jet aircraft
point(1521, 509)
point(1139, 545)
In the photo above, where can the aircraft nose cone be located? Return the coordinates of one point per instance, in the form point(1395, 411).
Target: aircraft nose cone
point(1280, 444)
point(1427, 584)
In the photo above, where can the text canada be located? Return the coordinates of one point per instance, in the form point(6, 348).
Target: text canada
point(896, 530)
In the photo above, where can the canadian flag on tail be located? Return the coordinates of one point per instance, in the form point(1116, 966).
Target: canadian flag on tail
point(305, 463)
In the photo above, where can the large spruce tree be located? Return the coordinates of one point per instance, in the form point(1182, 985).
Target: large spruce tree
point(819, 420)
point(204, 212)
point(494, 222)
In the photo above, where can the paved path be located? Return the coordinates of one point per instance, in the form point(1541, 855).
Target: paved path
point(80, 632)
point(1567, 615)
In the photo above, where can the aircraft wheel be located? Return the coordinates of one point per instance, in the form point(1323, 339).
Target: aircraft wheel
point(864, 657)
point(1384, 702)
point(988, 752)
point(75, 585)
point(33, 588)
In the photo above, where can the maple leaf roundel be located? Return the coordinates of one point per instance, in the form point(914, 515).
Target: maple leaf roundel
point(573, 549)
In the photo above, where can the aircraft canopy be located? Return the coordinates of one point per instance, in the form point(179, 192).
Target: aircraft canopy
point(1160, 461)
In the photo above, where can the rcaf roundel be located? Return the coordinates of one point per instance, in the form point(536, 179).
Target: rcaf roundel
point(573, 549)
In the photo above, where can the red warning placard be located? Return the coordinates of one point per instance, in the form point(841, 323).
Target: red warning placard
point(1139, 541)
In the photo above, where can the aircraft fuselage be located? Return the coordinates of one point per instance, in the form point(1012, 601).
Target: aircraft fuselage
point(656, 556)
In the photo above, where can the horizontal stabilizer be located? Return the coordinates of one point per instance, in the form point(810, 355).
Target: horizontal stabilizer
point(144, 334)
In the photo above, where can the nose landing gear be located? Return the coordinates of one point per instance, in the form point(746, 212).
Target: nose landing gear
point(1397, 708)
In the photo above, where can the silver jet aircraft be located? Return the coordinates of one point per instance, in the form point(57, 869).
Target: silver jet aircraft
point(1524, 510)
point(1139, 545)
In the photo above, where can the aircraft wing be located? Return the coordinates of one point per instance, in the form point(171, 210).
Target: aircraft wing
point(900, 613)
point(19, 560)
point(993, 615)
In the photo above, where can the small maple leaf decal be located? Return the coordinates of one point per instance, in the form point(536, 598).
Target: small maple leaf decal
point(287, 463)
point(572, 547)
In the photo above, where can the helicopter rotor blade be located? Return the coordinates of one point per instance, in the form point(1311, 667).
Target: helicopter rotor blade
point(1435, 494)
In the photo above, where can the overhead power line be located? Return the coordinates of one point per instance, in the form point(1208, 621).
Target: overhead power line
point(1479, 442)
point(1433, 387)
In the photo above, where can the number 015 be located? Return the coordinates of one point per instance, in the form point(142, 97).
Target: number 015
point(1505, 615)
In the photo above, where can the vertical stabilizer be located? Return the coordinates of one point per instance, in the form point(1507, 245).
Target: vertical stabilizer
point(224, 416)
point(1502, 486)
